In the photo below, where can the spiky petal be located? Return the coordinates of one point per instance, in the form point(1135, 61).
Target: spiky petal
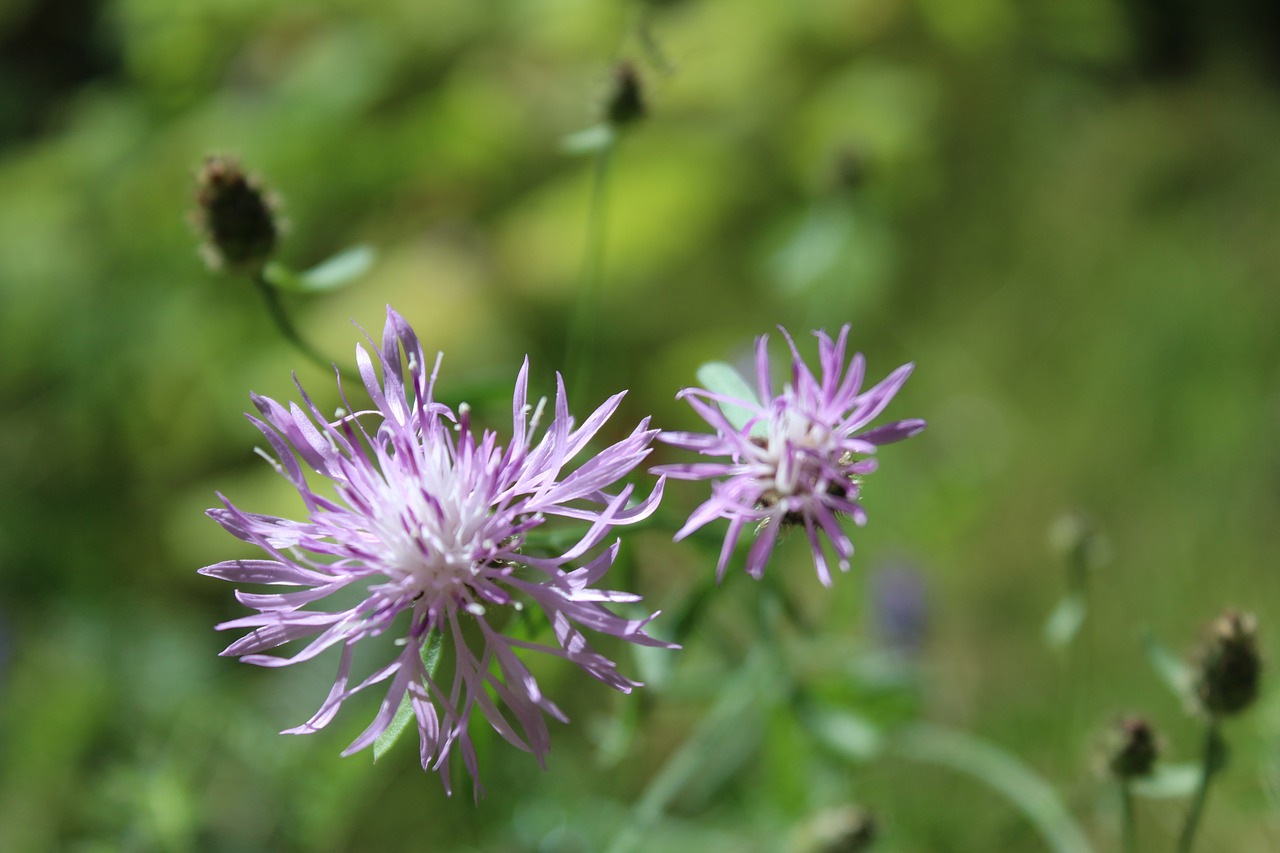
point(428, 518)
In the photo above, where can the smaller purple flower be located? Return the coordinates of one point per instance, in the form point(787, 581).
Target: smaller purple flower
point(796, 458)
point(426, 531)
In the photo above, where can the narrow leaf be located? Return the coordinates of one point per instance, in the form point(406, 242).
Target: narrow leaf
point(392, 733)
point(343, 268)
point(719, 378)
point(1065, 620)
point(1173, 671)
point(849, 734)
point(592, 140)
point(400, 722)
point(280, 276)
point(1169, 780)
point(1003, 772)
point(714, 750)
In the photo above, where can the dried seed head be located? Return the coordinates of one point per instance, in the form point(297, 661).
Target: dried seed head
point(1230, 666)
point(235, 215)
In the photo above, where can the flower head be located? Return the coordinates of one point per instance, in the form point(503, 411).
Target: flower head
point(795, 459)
point(429, 521)
point(1230, 666)
point(1132, 748)
point(237, 217)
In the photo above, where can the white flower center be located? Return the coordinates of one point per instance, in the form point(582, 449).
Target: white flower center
point(432, 525)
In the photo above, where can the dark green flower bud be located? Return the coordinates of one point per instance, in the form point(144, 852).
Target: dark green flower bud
point(1230, 667)
point(626, 101)
point(235, 215)
point(1132, 748)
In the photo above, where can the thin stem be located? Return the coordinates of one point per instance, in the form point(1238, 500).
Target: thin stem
point(1128, 826)
point(644, 32)
point(275, 307)
point(583, 337)
point(1211, 759)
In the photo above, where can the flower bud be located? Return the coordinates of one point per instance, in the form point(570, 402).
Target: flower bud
point(236, 217)
point(1230, 666)
point(626, 101)
point(1132, 748)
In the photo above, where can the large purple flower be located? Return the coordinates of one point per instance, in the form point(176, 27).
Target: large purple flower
point(431, 523)
point(795, 458)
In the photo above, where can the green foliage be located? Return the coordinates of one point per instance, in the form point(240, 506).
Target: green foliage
point(1064, 218)
point(338, 271)
point(720, 378)
point(404, 714)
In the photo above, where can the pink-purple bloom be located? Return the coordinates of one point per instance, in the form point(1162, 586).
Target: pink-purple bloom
point(793, 459)
point(428, 520)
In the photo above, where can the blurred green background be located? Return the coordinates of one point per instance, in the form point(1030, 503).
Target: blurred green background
point(1066, 214)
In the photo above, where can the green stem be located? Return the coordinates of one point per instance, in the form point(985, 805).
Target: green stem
point(275, 307)
point(1211, 759)
point(644, 32)
point(1128, 827)
point(583, 335)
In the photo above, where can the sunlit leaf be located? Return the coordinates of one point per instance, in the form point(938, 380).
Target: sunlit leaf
point(343, 268)
point(719, 378)
point(1065, 620)
point(400, 722)
point(338, 271)
point(592, 140)
point(849, 734)
point(279, 275)
point(1168, 780)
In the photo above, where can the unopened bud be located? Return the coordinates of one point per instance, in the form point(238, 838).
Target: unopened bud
point(1231, 666)
point(849, 829)
point(626, 101)
point(235, 215)
point(1132, 749)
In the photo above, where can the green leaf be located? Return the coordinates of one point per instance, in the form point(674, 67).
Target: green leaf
point(813, 250)
point(714, 751)
point(1065, 621)
point(343, 268)
point(1168, 780)
point(339, 270)
point(400, 722)
point(592, 140)
point(1173, 671)
point(719, 378)
point(1003, 772)
point(849, 734)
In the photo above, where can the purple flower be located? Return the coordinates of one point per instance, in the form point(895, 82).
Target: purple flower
point(432, 525)
point(795, 458)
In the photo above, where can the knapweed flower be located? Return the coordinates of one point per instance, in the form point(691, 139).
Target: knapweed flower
point(794, 459)
point(427, 527)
